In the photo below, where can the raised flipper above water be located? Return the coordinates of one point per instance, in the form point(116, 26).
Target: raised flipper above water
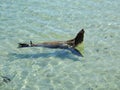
point(77, 40)
point(69, 44)
point(77, 43)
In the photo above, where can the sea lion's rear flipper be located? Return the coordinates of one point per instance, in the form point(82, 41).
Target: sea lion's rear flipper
point(22, 45)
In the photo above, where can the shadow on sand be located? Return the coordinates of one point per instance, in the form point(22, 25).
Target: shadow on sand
point(57, 54)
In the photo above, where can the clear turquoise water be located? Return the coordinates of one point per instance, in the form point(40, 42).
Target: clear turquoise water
point(46, 69)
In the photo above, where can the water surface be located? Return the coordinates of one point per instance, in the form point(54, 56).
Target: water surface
point(46, 69)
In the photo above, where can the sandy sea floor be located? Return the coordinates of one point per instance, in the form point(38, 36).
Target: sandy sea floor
point(46, 69)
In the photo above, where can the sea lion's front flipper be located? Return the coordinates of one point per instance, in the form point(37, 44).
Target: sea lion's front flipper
point(77, 40)
point(76, 44)
point(76, 52)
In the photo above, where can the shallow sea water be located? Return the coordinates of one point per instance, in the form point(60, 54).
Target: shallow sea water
point(49, 20)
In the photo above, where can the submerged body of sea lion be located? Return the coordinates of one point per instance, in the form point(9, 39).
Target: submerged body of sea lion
point(69, 44)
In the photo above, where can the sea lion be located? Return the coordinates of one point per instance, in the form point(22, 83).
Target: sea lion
point(69, 44)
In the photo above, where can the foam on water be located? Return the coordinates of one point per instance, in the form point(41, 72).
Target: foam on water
point(46, 69)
